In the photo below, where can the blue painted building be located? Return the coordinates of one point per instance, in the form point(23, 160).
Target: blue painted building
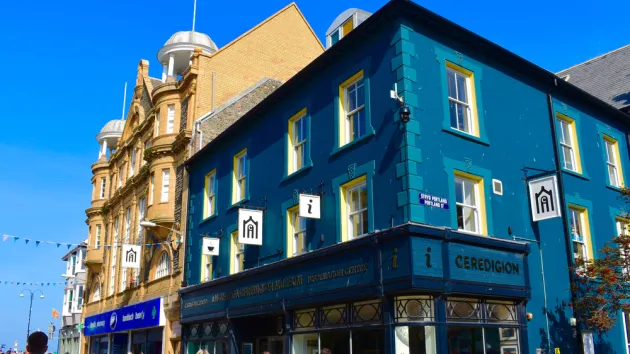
point(426, 242)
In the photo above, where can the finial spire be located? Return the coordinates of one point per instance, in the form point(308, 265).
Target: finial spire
point(124, 101)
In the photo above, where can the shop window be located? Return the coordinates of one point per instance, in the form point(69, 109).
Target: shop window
point(367, 312)
point(333, 316)
point(416, 339)
point(463, 310)
point(414, 309)
point(304, 319)
point(501, 311)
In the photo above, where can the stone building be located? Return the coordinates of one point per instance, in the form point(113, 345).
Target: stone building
point(70, 337)
point(139, 178)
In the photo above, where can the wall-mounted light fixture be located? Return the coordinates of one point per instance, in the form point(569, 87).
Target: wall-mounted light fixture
point(405, 114)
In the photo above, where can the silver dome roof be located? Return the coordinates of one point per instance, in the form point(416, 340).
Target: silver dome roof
point(192, 37)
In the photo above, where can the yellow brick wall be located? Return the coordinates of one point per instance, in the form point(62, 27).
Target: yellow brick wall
point(278, 48)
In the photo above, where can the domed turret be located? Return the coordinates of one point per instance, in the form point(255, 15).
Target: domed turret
point(109, 135)
point(176, 53)
point(344, 23)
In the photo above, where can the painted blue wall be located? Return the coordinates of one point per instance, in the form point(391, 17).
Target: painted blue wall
point(515, 142)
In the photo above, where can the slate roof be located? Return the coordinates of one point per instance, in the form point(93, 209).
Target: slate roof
point(606, 77)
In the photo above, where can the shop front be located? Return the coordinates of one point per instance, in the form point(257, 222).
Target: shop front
point(408, 290)
point(137, 328)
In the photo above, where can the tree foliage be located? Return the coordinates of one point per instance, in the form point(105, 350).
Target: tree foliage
point(602, 285)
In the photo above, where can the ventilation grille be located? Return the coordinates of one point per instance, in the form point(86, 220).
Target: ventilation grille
point(497, 187)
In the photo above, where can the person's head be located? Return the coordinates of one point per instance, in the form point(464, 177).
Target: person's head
point(37, 343)
point(326, 351)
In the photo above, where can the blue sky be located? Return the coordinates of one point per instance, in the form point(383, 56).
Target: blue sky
point(65, 62)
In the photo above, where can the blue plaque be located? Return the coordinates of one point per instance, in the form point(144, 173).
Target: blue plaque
point(433, 201)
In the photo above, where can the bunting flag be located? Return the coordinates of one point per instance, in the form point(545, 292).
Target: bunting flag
point(10, 283)
point(98, 246)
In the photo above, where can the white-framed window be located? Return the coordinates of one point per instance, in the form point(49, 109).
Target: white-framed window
point(157, 123)
point(578, 234)
point(467, 202)
point(170, 123)
point(98, 236)
point(132, 165)
point(164, 266)
point(210, 190)
point(73, 261)
point(459, 96)
point(97, 292)
point(357, 206)
point(298, 232)
point(147, 144)
point(80, 298)
point(127, 226)
point(626, 332)
point(298, 133)
point(240, 174)
point(623, 229)
point(151, 188)
point(123, 280)
point(103, 185)
point(342, 30)
point(70, 300)
point(612, 159)
point(206, 268)
point(354, 106)
point(141, 211)
point(112, 272)
point(567, 144)
point(166, 181)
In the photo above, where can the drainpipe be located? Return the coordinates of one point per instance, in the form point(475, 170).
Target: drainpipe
point(559, 173)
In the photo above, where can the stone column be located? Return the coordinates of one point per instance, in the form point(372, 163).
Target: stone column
point(171, 64)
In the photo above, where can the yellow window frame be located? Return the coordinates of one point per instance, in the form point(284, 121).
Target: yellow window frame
point(473, 96)
point(233, 248)
point(206, 194)
point(235, 197)
point(342, 106)
point(289, 228)
point(343, 194)
point(483, 219)
point(583, 213)
point(291, 146)
point(206, 272)
point(617, 159)
point(574, 140)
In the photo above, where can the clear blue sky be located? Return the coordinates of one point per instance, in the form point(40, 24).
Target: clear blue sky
point(64, 65)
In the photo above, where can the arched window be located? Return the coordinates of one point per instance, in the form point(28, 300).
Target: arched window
point(97, 292)
point(164, 266)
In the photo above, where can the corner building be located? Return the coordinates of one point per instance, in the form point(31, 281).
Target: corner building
point(425, 243)
point(139, 178)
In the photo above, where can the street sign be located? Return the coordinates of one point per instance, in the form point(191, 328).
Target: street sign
point(310, 206)
point(250, 226)
point(131, 256)
point(210, 246)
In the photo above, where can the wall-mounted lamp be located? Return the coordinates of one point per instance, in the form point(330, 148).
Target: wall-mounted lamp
point(529, 316)
point(572, 321)
point(405, 114)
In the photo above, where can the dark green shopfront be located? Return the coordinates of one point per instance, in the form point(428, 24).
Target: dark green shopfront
point(410, 289)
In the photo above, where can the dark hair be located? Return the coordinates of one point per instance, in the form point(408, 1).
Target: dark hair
point(37, 342)
point(326, 351)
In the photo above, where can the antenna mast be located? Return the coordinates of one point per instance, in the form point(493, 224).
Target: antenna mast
point(124, 101)
point(194, 14)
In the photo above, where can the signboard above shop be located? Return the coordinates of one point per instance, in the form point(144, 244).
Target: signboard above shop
point(141, 315)
point(250, 227)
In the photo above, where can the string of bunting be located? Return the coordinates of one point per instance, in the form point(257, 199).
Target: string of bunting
point(10, 283)
point(70, 245)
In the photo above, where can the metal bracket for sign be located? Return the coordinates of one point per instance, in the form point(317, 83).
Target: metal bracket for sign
point(262, 201)
point(542, 173)
point(316, 190)
point(217, 234)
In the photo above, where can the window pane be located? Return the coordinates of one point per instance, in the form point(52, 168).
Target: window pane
point(470, 219)
point(352, 98)
point(356, 224)
point(304, 344)
point(469, 193)
point(368, 341)
point(355, 125)
point(363, 196)
point(612, 174)
point(334, 38)
point(459, 189)
point(416, 340)
point(453, 112)
point(354, 199)
point(609, 152)
point(467, 340)
point(452, 92)
point(568, 157)
point(299, 157)
point(576, 227)
point(504, 338)
point(337, 342)
point(461, 88)
point(360, 93)
point(461, 118)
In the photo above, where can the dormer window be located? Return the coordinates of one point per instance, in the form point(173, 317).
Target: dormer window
point(344, 24)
